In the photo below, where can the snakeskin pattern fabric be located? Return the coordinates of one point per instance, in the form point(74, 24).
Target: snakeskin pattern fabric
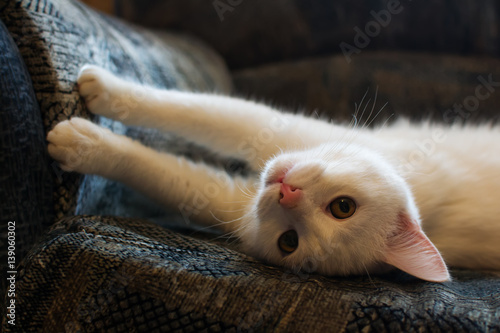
point(95, 274)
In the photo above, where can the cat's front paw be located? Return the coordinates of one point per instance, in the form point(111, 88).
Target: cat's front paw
point(78, 145)
point(104, 93)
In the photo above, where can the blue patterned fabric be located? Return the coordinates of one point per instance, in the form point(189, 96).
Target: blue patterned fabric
point(57, 38)
point(26, 180)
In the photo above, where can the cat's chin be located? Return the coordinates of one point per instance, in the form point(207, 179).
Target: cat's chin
point(291, 265)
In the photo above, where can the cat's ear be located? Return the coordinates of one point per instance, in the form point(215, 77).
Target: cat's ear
point(411, 251)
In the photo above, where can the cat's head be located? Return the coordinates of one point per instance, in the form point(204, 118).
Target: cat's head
point(338, 210)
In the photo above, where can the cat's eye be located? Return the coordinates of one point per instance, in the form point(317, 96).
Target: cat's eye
point(289, 241)
point(342, 208)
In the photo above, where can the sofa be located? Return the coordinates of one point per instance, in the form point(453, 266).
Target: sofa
point(85, 254)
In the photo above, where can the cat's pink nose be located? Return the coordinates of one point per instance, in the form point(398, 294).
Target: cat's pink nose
point(289, 195)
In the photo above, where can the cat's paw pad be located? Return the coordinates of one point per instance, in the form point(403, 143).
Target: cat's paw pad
point(104, 93)
point(77, 145)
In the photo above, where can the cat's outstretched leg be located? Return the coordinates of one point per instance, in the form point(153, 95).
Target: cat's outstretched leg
point(200, 192)
point(231, 126)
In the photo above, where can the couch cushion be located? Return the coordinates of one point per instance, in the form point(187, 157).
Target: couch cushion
point(121, 275)
point(413, 85)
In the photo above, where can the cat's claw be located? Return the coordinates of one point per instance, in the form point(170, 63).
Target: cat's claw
point(77, 145)
point(104, 93)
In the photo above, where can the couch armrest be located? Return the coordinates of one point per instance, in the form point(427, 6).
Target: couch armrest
point(26, 183)
point(43, 46)
point(57, 38)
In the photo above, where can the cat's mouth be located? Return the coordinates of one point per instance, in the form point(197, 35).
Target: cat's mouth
point(277, 176)
point(275, 179)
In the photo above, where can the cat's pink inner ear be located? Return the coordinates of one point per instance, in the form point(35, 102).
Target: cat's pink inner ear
point(411, 251)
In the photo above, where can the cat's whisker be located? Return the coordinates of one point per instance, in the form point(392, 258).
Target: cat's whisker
point(373, 108)
point(248, 196)
point(334, 147)
point(358, 107)
point(236, 202)
point(226, 238)
point(378, 113)
point(368, 274)
point(354, 122)
point(364, 110)
point(247, 192)
point(232, 210)
point(222, 222)
point(350, 135)
point(344, 142)
point(385, 123)
point(210, 227)
point(235, 234)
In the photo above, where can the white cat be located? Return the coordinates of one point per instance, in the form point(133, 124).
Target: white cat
point(333, 199)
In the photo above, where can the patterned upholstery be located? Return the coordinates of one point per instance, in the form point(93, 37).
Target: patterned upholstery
point(94, 274)
point(97, 274)
point(26, 185)
point(331, 87)
point(45, 31)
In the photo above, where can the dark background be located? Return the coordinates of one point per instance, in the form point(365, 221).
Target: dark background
point(425, 61)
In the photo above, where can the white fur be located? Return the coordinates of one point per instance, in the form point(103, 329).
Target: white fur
point(447, 177)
